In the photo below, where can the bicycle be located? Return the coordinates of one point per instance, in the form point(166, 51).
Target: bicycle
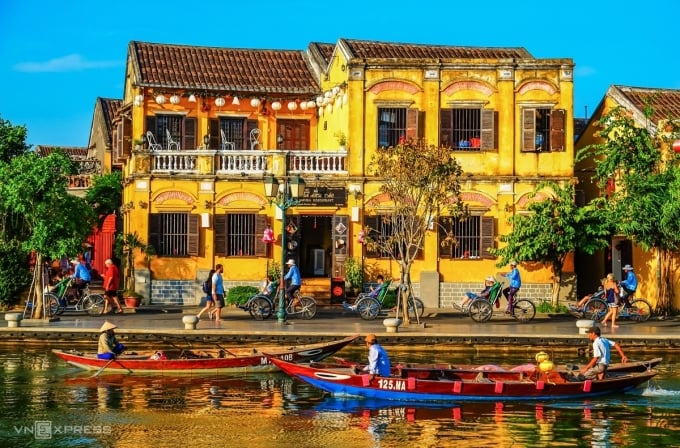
point(637, 310)
point(261, 306)
point(64, 296)
point(480, 309)
point(370, 307)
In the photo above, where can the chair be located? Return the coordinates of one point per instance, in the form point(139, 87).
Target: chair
point(225, 144)
point(171, 142)
point(255, 138)
point(151, 140)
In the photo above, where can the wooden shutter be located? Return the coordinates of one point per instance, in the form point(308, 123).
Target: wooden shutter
point(214, 132)
point(250, 125)
point(220, 232)
point(117, 143)
point(421, 125)
point(412, 124)
point(529, 130)
point(151, 125)
point(443, 227)
point(260, 246)
point(488, 130)
point(189, 141)
point(488, 236)
point(193, 235)
point(445, 125)
point(154, 233)
point(557, 121)
point(373, 225)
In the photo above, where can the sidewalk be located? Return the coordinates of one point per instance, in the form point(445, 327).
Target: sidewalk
point(438, 326)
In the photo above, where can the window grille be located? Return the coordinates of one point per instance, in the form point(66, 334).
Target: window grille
point(474, 237)
point(234, 131)
point(241, 235)
point(173, 234)
point(461, 129)
point(172, 123)
point(391, 126)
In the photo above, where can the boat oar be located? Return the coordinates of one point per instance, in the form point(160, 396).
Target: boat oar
point(103, 367)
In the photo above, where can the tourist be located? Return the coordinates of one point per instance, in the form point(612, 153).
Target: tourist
point(611, 294)
point(483, 294)
point(111, 282)
point(218, 292)
point(109, 347)
point(207, 289)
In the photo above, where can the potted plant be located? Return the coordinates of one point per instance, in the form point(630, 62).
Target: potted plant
point(354, 275)
point(342, 139)
point(132, 299)
point(125, 248)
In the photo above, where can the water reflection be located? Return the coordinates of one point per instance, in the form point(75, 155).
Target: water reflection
point(276, 411)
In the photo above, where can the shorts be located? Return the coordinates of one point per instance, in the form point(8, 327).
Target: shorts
point(219, 303)
point(111, 294)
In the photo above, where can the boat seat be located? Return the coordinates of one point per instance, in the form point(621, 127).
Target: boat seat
point(481, 378)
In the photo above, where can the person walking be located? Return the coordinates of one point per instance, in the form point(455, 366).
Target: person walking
point(378, 361)
point(218, 292)
point(597, 367)
point(108, 347)
point(611, 294)
point(207, 289)
point(111, 282)
point(515, 284)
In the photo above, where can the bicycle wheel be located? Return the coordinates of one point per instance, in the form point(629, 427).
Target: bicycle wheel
point(308, 307)
point(524, 310)
point(416, 308)
point(260, 308)
point(51, 303)
point(93, 304)
point(368, 308)
point(640, 310)
point(480, 310)
point(595, 309)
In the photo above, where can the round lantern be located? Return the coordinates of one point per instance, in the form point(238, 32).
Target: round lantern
point(174, 99)
point(160, 99)
point(255, 102)
point(276, 105)
point(676, 146)
point(139, 100)
point(319, 100)
point(311, 104)
point(219, 101)
point(303, 105)
point(292, 105)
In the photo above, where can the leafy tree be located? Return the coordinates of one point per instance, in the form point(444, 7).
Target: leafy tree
point(125, 246)
point(420, 181)
point(554, 228)
point(645, 206)
point(105, 196)
point(12, 140)
point(33, 194)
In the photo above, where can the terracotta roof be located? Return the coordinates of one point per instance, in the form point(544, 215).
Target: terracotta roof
point(221, 69)
point(323, 49)
point(73, 152)
point(363, 49)
point(665, 102)
point(110, 108)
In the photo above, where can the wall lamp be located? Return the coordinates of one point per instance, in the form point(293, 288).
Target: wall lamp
point(208, 204)
point(143, 204)
point(355, 190)
point(206, 140)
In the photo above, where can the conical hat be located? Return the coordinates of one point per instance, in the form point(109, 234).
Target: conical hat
point(107, 326)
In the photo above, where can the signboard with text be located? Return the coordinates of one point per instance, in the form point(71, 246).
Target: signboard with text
point(324, 196)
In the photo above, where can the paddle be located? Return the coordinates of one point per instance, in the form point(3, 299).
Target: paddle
point(103, 367)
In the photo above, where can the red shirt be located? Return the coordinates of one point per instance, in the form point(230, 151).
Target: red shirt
point(111, 278)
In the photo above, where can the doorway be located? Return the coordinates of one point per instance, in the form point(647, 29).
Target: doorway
point(315, 245)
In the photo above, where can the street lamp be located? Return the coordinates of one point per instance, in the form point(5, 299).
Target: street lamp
point(284, 195)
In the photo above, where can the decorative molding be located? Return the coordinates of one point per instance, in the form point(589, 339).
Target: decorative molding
point(476, 86)
point(241, 196)
point(174, 195)
point(527, 198)
point(537, 85)
point(383, 86)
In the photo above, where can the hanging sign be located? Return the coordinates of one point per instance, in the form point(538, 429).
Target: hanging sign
point(324, 196)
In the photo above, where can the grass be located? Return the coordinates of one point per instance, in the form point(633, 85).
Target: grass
point(545, 307)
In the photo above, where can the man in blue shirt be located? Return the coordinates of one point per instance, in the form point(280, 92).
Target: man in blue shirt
point(629, 284)
point(81, 276)
point(378, 361)
point(515, 284)
point(293, 275)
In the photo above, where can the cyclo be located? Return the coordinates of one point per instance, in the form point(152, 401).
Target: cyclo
point(370, 307)
point(638, 310)
point(64, 296)
point(261, 306)
point(480, 309)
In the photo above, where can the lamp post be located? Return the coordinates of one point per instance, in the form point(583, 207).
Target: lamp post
point(284, 195)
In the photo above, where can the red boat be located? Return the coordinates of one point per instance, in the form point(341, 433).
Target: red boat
point(459, 385)
point(204, 362)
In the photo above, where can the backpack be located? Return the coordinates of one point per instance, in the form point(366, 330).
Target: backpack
point(207, 286)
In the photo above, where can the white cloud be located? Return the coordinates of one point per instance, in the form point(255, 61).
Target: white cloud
point(70, 63)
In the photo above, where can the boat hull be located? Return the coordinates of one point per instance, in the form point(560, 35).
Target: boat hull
point(205, 362)
point(483, 386)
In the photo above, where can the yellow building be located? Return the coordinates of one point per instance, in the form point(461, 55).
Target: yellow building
point(203, 125)
point(622, 251)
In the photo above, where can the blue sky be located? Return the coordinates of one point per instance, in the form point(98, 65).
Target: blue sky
point(56, 58)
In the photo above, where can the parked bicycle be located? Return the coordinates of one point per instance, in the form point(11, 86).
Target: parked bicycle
point(64, 296)
point(637, 310)
point(262, 306)
point(480, 309)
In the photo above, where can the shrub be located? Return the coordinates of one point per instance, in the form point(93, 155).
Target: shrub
point(14, 274)
point(239, 295)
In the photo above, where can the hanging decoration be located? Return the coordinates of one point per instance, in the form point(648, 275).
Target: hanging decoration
point(174, 99)
point(361, 237)
point(291, 228)
point(268, 236)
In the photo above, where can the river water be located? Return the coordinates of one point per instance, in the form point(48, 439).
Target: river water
point(47, 403)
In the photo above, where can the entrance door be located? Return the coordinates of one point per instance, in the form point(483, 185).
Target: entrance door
point(315, 245)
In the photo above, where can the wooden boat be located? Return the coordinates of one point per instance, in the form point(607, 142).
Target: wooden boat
point(206, 362)
point(459, 385)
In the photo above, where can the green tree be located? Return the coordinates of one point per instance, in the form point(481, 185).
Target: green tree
point(105, 196)
point(421, 181)
point(645, 206)
point(12, 140)
point(554, 228)
point(46, 219)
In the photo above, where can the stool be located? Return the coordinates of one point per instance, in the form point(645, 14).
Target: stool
point(392, 324)
point(584, 325)
point(13, 319)
point(190, 321)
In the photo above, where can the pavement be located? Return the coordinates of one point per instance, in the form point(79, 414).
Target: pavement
point(437, 326)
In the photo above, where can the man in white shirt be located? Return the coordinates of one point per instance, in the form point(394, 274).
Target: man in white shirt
point(597, 367)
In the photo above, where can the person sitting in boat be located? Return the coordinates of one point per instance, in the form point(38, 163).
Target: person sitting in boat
point(109, 347)
point(597, 367)
point(483, 294)
point(378, 361)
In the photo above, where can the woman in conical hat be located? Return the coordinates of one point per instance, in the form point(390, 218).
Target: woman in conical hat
point(109, 347)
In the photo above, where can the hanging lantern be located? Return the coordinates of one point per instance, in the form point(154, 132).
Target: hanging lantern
point(329, 108)
point(292, 106)
point(268, 236)
point(174, 99)
point(235, 101)
point(311, 104)
point(192, 98)
point(321, 111)
point(676, 146)
point(361, 237)
point(139, 100)
point(219, 101)
point(276, 105)
point(255, 102)
point(160, 99)
point(319, 100)
point(303, 105)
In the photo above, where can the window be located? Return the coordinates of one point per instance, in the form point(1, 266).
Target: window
point(474, 236)
point(295, 134)
point(174, 234)
point(380, 228)
point(543, 129)
point(468, 129)
point(182, 129)
point(236, 130)
point(240, 235)
point(398, 124)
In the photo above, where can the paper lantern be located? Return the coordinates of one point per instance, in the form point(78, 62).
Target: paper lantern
point(255, 102)
point(219, 101)
point(276, 105)
point(292, 106)
point(174, 99)
point(160, 99)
